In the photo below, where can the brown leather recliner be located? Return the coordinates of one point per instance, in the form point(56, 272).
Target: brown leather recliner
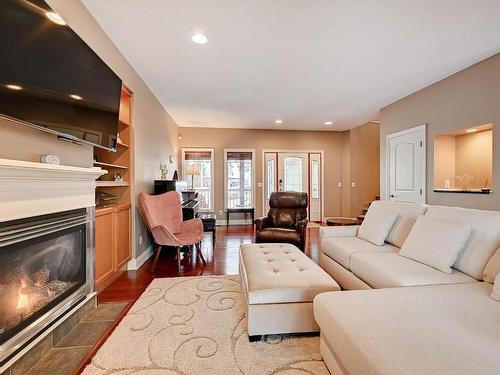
point(286, 220)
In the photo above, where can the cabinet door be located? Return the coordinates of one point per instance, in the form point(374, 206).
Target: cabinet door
point(122, 230)
point(104, 241)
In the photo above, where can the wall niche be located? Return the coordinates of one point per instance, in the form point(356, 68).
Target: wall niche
point(463, 160)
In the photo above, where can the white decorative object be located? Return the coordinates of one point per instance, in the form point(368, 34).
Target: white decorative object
point(118, 177)
point(30, 189)
point(163, 170)
point(465, 181)
point(50, 159)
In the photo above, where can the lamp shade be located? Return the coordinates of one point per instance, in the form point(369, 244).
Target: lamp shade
point(193, 170)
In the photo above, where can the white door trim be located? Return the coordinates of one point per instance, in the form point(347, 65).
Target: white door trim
point(276, 150)
point(416, 129)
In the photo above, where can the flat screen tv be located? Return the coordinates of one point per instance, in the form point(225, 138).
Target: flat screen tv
point(50, 79)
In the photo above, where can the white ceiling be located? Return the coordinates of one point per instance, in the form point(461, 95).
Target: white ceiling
point(305, 62)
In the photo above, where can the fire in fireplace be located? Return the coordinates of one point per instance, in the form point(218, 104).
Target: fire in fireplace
point(43, 263)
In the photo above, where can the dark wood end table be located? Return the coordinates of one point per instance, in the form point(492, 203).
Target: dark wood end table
point(245, 210)
point(209, 220)
point(341, 221)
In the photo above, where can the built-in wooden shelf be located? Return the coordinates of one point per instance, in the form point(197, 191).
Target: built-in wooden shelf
point(121, 144)
point(109, 165)
point(123, 123)
point(111, 183)
point(459, 191)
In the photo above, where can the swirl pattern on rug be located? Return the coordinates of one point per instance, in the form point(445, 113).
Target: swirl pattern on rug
point(197, 326)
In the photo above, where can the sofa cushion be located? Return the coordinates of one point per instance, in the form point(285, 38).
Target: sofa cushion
point(407, 215)
point(441, 329)
point(377, 225)
point(492, 268)
point(388, 270)
point(495, 293)
point(435, 242)
point(281, 273)
point(483, 241)
point(340, 249)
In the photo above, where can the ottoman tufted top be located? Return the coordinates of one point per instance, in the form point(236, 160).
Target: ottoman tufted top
point(281, 273)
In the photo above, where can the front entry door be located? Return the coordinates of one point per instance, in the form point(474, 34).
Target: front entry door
point(295, 171)
point(406, 166)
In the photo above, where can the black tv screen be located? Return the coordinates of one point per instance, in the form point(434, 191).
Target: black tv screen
point(52, 80)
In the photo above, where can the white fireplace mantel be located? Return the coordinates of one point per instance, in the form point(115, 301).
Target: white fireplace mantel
point(30, 189)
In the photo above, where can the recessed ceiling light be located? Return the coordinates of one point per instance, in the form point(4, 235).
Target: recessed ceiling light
point(76, 97)
point(56, 18)
point(14, 87)
point(278, 121)
point(199, 38)
point(328, 123)
point(473, 130)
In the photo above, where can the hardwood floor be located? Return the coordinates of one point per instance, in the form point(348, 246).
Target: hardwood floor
point(222, 260)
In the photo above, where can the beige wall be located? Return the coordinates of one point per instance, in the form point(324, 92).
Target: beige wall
point(468, 98)
point(474, 157)
point(444, 161)
point(338, 147)
point(364, 166)
point(155, 132)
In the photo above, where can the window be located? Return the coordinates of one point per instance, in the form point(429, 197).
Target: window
point(314, 179)
point(239, 182)
point(198, 171)
point(270, 177)
point(293, 173)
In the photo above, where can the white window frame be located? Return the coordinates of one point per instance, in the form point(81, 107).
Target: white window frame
point(212, 171)
point(226, 195)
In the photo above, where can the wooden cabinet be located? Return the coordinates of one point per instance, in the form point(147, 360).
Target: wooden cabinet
point(112, 243)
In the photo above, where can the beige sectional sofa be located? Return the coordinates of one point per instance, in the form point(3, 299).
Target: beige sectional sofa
point(419, 320)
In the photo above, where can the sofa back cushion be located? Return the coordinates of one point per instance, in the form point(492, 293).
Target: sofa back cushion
point(407, 215)
point(495, 293)
point(492, 268)
point(435, 242)
point(483, 241)
point(377, 224)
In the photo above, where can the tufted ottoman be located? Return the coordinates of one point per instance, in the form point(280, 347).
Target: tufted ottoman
point(279, 284)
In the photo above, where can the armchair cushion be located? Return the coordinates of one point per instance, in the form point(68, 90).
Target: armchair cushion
point(262, 222)
point(285, 235)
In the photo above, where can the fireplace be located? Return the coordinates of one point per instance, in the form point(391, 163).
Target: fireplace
point(46, 267)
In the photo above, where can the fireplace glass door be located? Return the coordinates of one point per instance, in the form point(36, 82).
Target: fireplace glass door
point(41, 263)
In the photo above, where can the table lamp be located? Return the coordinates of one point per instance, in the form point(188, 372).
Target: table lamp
point(193, 170)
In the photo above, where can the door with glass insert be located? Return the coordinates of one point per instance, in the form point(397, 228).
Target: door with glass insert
point(293, 172)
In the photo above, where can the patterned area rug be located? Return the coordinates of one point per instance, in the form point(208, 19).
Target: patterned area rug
point(197, 325)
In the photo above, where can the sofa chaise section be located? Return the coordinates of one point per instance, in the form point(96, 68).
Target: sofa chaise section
point(432, 330)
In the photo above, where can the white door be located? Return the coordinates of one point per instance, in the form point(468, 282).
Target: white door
point(315, 187)
point(407, 165)
point(293, 171)
point(270, 176)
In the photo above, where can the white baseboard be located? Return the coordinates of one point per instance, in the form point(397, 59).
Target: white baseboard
point(136, 263)
point(234, 222)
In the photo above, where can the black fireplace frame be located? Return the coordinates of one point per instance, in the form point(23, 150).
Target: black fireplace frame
point(40, 322)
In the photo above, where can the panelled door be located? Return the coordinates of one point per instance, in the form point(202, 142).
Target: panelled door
point(406, 166)
point(294, 171)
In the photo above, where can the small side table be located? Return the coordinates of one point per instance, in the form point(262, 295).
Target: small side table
point(341, 221)
point(250, 210)
point(209, 220)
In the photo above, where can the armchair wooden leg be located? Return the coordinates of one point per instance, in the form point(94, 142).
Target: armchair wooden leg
point(198, 250)
point(157, 255)
point(178, 261)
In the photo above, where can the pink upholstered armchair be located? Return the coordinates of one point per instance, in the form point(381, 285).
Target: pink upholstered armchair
point(163, 215)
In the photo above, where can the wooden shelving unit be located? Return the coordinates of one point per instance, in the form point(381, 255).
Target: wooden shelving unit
point(113, 222)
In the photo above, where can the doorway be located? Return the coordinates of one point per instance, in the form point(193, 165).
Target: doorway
point(406, 165)
point(300, 171)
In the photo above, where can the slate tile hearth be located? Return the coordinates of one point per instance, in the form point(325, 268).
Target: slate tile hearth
point(71, 342)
